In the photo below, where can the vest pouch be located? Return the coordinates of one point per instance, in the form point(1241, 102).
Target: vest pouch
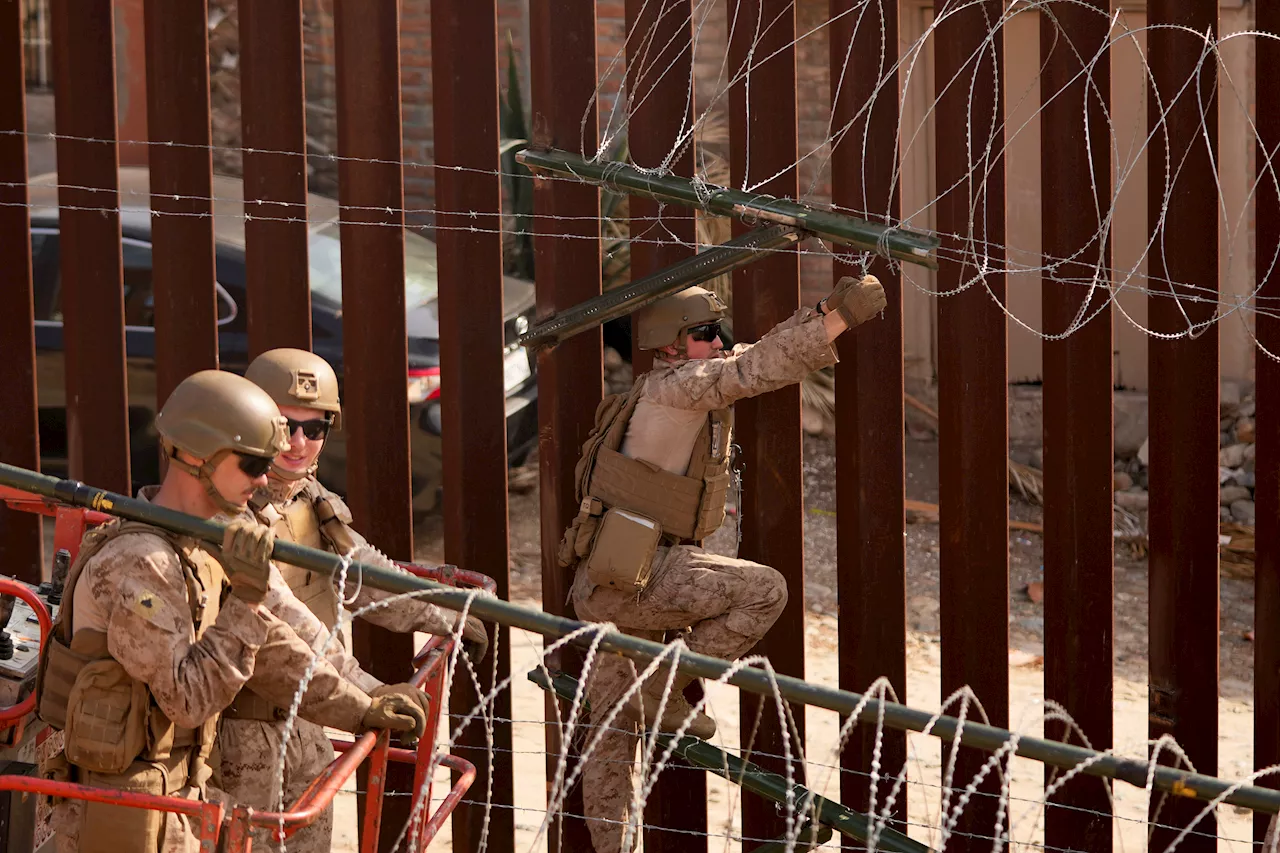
point(105, 825)
point(56, 675)
point(565, 555)
point(107, 718)
point(622, 555)
point(711, 508)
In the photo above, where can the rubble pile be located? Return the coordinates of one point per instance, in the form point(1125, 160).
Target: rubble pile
point(1236, 479)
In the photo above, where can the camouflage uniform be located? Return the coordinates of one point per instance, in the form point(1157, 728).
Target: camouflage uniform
point(730, 603)
point(300, 510)
point(249, 747)
point(137, 596)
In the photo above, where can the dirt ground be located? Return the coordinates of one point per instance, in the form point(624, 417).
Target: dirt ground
point(923, 649)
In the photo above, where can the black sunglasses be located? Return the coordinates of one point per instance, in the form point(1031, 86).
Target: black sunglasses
point(313, 429)
point(707, 332)
point(254, 466)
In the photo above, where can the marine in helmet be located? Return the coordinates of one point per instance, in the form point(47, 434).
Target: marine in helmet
point(158, 632)
point(652, 481)
point(300, 509)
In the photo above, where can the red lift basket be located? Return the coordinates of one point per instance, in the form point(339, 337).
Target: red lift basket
point(235, 822)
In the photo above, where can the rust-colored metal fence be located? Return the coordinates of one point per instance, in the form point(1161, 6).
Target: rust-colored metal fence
point(762, 107)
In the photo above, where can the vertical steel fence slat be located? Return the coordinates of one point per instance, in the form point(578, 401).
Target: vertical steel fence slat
point(870, 478)
point(375, 349)
point(91, 295)
point(21, 545)
point(972, 391)
point(274, 130)
point(659, 75)
point(763, 151)
point(567, 263)
point(1266, 603)
point(1183, 520)
point(465, 103)
point(1075, 184)
point(182, 254)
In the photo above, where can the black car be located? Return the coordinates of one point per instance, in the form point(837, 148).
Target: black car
point(422, 320)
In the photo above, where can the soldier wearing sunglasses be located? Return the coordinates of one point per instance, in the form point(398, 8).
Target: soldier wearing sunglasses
point(158, 632)
point(653, 480)
point(293, 503)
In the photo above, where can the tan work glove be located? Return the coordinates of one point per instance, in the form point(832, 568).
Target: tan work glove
point(246, 555)
point(475, 639)
point(400, 708)
point(855, 301)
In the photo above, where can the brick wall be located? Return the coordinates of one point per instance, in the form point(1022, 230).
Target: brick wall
point(813, 77)
point(415, 105)
point(712, 75)
point(321, 92)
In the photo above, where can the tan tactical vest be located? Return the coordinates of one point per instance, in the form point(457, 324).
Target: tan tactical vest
point(689, 507)
point(317, 519)
point(111, 720)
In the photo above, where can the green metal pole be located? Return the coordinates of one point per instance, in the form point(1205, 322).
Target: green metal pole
point(989, 738)
point(904, 244)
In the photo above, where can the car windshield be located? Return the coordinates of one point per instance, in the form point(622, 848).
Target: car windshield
point(420, 277)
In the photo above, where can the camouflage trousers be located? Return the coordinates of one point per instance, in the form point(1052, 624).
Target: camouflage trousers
point(250, 751)
point(728, 604)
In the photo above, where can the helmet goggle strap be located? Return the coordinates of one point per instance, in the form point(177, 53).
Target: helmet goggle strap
point(292, 477)
point(204, 474)
point(682, 340)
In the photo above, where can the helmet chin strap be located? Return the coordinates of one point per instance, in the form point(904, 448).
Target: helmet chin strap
point(204, 474)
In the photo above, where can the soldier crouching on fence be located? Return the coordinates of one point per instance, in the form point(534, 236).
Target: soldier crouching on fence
point(298, 508)
point(653, 479)
point(158, 632)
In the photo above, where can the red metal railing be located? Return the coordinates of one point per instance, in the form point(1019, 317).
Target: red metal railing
point(430, 674)
point(15, 713)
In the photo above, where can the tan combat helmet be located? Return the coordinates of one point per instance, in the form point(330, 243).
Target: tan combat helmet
point(213, 413)
point(295, 377)
point(666, 321)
